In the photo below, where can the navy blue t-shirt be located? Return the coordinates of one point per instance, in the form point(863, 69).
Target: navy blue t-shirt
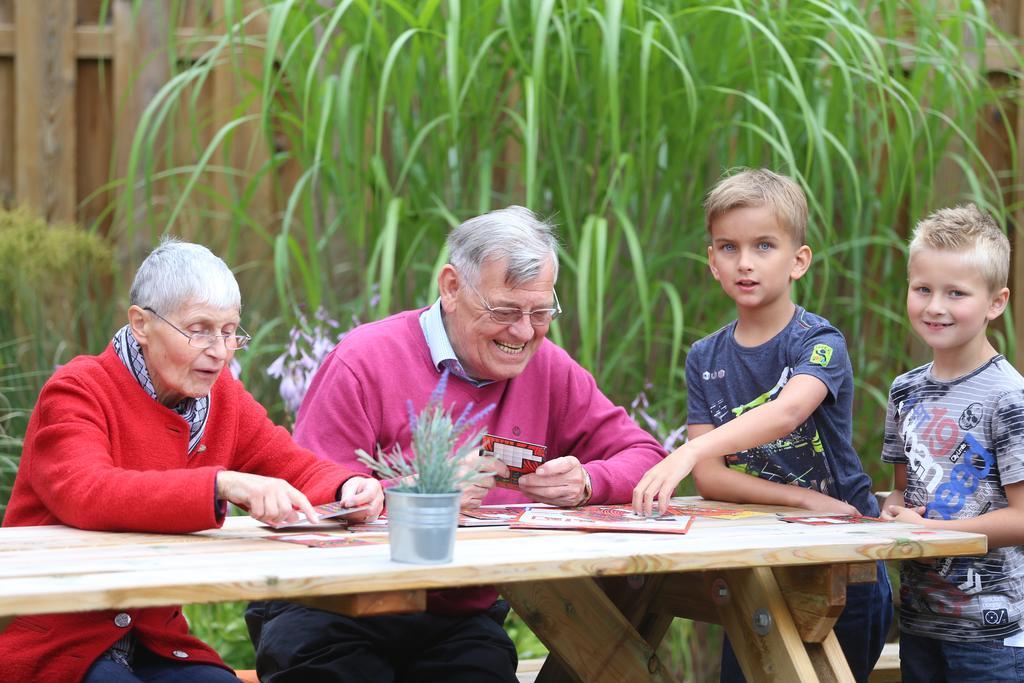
point(725, 379)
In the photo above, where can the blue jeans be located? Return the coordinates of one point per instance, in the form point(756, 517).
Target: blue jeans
point(149, 668)
point(936, 661)
point(860, 629)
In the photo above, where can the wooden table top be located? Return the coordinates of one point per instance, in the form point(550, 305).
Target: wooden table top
point(59, 569)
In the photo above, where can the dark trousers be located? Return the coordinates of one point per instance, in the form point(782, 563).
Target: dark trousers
point(149, 668)
point(300, 644)
point(860, 629)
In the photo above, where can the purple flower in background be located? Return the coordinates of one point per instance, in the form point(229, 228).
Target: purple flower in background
point(640, 411)
point(374, 294)
point(307, 348)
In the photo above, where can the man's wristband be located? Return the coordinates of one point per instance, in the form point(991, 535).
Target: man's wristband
point(588, 489)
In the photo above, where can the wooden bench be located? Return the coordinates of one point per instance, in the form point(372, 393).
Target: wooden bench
point(887, 669)
point(526, 673)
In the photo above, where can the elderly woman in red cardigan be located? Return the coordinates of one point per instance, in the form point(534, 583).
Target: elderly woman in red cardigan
point(154, 434)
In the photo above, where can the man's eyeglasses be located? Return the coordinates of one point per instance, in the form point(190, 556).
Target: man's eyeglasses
point(202, 340)
point(504, 315)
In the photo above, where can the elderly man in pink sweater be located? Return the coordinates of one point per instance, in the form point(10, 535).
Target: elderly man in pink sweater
point(489, 328)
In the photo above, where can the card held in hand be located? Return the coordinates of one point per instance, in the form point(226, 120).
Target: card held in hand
point(326, 511)
point(520, 456)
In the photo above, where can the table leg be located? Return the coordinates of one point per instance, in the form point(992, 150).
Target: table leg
point(829, 661)
point(765, 636)
point(635, 597)
point(586, 631)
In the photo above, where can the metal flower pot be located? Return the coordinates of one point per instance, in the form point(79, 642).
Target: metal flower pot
point(421, 526)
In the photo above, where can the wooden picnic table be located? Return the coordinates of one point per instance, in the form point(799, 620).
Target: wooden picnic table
point(776, 587)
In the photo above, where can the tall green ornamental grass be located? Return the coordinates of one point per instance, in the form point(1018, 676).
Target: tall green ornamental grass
point(378, 125)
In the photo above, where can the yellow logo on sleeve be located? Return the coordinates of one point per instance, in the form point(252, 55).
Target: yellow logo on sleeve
point(821, 355)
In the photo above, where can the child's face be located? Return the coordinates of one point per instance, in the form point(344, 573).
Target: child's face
point(755, 258)
point(948, 301)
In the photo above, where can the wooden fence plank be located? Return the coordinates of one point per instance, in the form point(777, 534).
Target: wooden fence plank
point(140, 70)
point(94, 126)
point(6, 107)
point(1017, 301)
point(45, 107)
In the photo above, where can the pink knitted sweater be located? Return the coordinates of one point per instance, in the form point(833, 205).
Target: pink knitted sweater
point(358, 400)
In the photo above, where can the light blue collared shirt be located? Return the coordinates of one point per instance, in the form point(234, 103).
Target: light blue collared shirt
point(442, 354)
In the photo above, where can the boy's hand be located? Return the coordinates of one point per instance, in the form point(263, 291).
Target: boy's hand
point(902, 514)
point(661, 480)
point(359, 491)
point(819, 502)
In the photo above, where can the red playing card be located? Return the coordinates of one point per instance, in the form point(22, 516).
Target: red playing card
point(521, 457)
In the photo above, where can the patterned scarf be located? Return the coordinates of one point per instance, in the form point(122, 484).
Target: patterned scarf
point(194, 410)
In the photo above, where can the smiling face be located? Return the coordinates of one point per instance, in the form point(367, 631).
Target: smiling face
point(486, 349)
point(178, 370)
point(755, 258)
point(949, 305)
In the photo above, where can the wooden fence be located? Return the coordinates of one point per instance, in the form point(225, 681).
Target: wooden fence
point(74, 80)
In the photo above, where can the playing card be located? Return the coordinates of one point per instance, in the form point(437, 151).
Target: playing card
point(326, 511)
point(521, 457)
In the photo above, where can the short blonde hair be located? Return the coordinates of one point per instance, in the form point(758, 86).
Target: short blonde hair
point(759, 187)
point(967, 229)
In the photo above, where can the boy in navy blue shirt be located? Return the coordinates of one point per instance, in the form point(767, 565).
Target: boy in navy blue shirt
point(770, 396)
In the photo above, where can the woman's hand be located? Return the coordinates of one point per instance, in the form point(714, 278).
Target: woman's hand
point(362, 491)
point(268, 499)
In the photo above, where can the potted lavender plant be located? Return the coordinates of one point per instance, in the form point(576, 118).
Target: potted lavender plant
point(423, 506)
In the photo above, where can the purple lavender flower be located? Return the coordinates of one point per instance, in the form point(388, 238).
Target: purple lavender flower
point(474, 419)
point(435, 461)
point(437, 395)
point(412, 414)
point(459, 423)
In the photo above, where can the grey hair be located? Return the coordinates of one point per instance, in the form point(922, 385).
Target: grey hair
point(178, 273)
point(514, 233)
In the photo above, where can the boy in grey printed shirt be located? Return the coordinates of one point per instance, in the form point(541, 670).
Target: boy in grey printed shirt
point(955, 434)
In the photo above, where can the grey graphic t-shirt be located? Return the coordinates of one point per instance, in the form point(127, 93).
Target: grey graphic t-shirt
point(724, 380)
point(961, 441)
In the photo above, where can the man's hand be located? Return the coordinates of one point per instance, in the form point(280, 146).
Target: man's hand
point(268, 499)
point(473, 493)
point(560, 482)
point(659, 483)
point(362, 491)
